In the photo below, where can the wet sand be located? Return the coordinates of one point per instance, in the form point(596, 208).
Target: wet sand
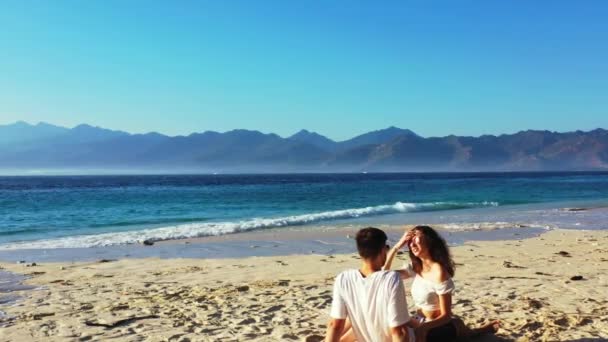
point(525, 283)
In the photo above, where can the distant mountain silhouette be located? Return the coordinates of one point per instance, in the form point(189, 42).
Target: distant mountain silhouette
point(376, 137)
point(21, 132)
point(47, 147)
point(314, 139)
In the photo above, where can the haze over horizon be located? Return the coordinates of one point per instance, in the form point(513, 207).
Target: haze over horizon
point(440, 69)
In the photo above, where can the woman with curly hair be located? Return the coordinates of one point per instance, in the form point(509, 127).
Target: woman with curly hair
point(432, 269)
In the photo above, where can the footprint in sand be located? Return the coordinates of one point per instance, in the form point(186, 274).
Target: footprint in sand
point(289, 337)
point(122, 306)
point(246, 321)
point(314, 338)
point(509, 264)
point(274, 308)
point(532, 326)
point(86, 306)
point(534, 303)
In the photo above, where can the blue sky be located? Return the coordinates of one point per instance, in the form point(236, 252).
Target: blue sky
point(340, 68)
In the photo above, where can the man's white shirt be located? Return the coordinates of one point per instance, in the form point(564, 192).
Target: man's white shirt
point(374, 304)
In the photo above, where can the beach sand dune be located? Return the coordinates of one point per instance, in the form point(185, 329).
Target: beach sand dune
point(528, 284)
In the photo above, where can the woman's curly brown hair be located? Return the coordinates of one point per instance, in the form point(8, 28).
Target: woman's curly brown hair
point(438, 250)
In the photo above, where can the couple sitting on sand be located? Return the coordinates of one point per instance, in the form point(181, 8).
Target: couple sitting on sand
point(369, 304)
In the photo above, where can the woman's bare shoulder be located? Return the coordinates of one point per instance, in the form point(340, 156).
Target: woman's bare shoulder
point(438, 273)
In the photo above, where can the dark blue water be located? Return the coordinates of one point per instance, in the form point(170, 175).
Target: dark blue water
point(58, 211)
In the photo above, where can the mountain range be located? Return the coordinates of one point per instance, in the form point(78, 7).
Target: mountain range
point(25, 147)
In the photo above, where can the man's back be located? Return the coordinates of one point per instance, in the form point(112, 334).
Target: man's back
point(374, 304)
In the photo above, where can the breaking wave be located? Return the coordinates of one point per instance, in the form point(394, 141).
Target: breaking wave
point(201, 229)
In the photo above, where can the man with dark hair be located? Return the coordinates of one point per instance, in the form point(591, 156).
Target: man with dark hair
point(373, 300)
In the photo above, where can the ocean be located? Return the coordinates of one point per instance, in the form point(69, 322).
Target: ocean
point(97, 211)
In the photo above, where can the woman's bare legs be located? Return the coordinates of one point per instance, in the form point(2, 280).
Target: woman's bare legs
point(464, 331)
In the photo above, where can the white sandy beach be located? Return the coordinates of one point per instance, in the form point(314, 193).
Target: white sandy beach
point(527, 284)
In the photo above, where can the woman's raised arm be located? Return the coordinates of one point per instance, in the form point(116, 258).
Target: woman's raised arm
point(407, 236)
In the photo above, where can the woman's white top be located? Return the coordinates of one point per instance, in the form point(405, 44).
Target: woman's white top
point(425, 293)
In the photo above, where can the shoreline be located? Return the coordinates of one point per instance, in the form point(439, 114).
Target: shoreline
point(276, 242)
point(526, 283)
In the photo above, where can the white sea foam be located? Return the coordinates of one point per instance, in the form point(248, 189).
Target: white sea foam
point(473, 226)
point(192, 230)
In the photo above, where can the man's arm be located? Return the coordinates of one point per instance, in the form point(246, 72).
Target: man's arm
point(398, 316)
point(334, 330)
point(338, 313)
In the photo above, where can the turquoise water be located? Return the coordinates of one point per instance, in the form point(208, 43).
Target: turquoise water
point(85, 211)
